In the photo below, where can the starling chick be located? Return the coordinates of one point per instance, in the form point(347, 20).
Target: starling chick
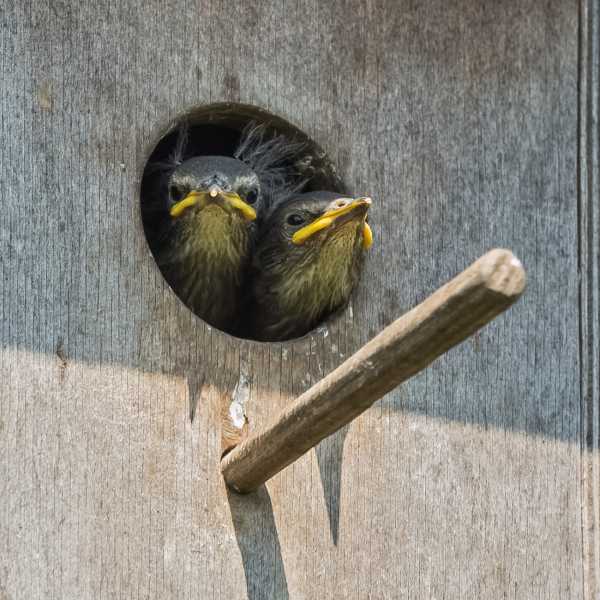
point(308, 261)
point(213, 205)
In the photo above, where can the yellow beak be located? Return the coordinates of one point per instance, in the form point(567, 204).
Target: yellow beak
point(329, 217)
point(367, 236)
point(202, 197)
point(190, 200)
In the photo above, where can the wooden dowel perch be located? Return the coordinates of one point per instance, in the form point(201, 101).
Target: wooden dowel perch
point(450, 315)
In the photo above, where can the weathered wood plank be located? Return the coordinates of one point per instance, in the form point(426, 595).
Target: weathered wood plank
point(461, 120)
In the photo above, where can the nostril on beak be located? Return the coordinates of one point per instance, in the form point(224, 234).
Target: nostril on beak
point(341, 203)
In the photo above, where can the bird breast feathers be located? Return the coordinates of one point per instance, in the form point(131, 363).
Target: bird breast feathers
point(216, 236)
point(327, 281)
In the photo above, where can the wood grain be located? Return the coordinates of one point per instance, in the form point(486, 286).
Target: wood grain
point(460, 119)
point(410, 344)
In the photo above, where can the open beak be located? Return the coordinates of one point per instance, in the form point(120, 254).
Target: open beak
point(213, 194)
point(340, 211)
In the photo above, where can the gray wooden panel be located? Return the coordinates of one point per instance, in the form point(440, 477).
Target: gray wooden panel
point(461, 120)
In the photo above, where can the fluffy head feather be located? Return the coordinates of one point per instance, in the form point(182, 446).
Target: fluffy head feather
point(274, 160)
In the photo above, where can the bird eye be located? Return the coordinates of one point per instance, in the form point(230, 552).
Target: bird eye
point(251, 196)
point(176, 193)
point(295, 219)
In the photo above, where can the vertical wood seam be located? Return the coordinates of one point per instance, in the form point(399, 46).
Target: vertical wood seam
point(589, 242)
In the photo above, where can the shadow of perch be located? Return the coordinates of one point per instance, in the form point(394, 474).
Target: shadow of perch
point(329, 458)
point(257, 539)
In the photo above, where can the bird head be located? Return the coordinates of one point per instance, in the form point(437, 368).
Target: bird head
point(308, 261)
point(320, 222)
point(223, 186)
point(316, 222)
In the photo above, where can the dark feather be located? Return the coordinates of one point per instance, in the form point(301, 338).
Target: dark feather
point(275, 160)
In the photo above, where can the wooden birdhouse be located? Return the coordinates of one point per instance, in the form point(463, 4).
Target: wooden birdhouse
point(421, 442)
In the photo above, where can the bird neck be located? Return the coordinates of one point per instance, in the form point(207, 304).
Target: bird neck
point(208, 257)
point(308, 287)
point(219, 238)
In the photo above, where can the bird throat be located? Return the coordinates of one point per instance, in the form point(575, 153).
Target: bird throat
point(210, 232)
point(209, 258)
point(324, 279)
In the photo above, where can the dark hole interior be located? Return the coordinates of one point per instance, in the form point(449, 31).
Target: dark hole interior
point(215, 130)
